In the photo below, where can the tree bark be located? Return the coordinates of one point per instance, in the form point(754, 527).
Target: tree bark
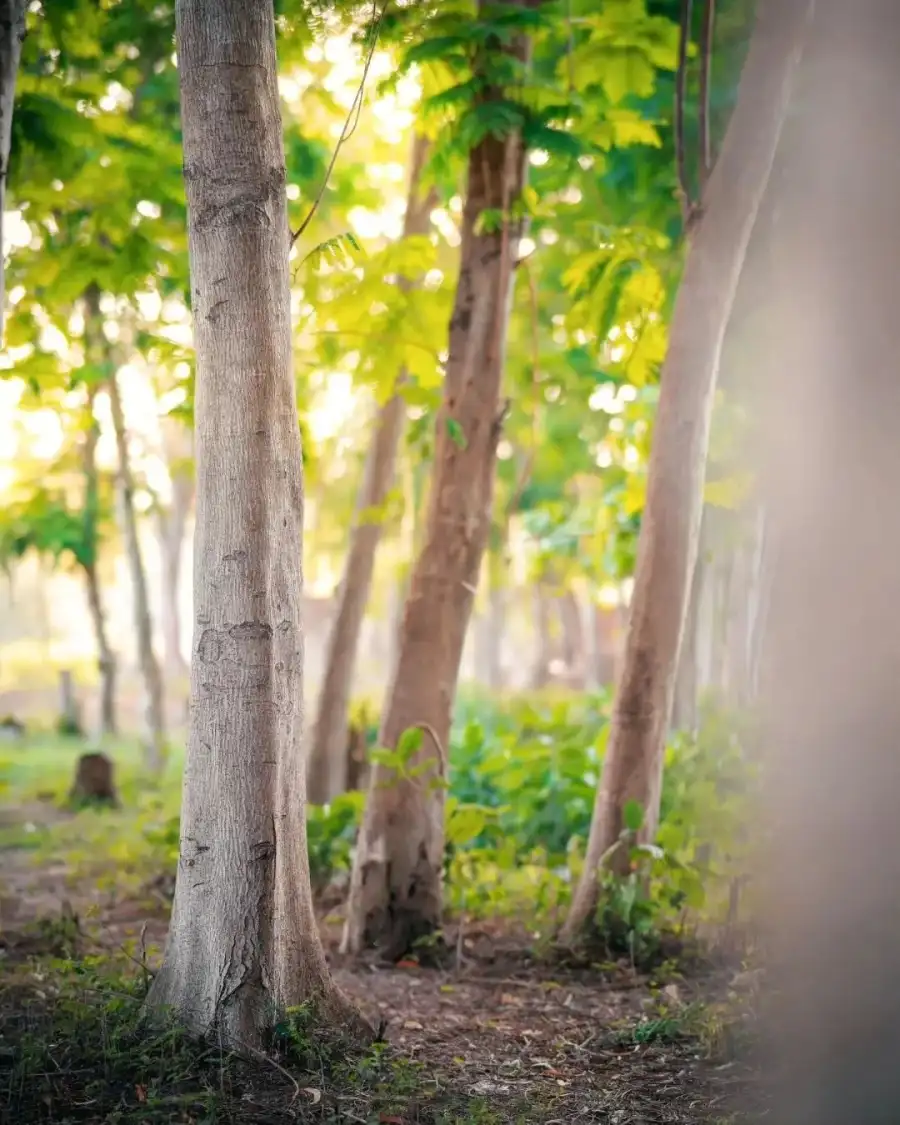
point(243, 945)
point(12, 35)
point(671, 522)
point(396, 885)
point(155, 735)
point(327, 765)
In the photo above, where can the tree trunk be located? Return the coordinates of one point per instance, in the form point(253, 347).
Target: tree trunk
point(243, 945)
point(671, 521)
point(495, 624)
point(69, 711)
point(106, 661)
point(155, 746)
point(396, 886)
point(573, 639)
point(12, 34)
point(830, 404)
point(327, 765)
point(543, 652)
point(685, 715)
point(171, 528)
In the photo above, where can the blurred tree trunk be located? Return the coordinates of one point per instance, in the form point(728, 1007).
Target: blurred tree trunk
point(396, 885)
point(106, 660)
point(155, 735)
point(12, 34)
point(171, 523)
point(543, 634)
point(671, 521)
point(243, 947)
point(573, 640)
point(327, 761)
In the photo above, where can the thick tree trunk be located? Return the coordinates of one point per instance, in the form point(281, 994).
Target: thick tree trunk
point(831, 406)
point(327, 759)
point(155, 735)
point(243, 945)
point(671, 522)
point(12, 34)
point(396, 886)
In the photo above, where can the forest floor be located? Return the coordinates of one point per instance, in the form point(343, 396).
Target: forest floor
point(503, 1037)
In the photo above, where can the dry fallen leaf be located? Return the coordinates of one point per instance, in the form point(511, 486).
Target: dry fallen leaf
point(140, 1092)
point(412, 1025)
point(314, 1094)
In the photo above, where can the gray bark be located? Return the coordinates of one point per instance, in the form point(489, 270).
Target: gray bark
point(327, 770)
point(243, 945)
point(12, 34)
point(670, 529)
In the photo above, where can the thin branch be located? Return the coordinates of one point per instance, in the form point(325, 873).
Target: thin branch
point(706, 53)
point(349, 125)
point(684, 187)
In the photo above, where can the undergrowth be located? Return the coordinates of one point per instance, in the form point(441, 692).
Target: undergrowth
point(524, 772)
point(74, 1048)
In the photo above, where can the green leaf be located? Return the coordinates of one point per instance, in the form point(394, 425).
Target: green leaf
point(455, 433)
point(633, 816)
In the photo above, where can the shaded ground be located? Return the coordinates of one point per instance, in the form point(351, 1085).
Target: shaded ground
point(501, 1039)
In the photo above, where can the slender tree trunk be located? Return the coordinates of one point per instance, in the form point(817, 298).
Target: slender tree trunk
point(106, 660)
point(496, 622)
point(396, 891)
point(12, 34)
point(543, 652)
point(149, 665)
point(573, 639)
point(327, 767)
point(171, 529)
point(671, 522)
point(243, 946)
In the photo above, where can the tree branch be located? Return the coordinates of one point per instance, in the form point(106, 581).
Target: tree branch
point(684, 187)
point(706, 53)
point(351, 122)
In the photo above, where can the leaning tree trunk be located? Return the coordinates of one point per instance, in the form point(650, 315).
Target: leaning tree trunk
point(150, 671)
point(12, 33)
point(671, 522)
point(396, 886)
point(243, 945)
point(327, 768)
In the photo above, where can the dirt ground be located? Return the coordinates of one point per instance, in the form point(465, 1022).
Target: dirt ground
point(526, 1041)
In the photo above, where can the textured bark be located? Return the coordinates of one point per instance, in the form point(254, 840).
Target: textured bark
point(671, 522)
point(327, 769)
point(155, 734)
point(243, 944)
point(12, 34)
point(396, 891)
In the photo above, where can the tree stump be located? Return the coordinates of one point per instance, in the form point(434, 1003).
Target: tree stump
point(94, 782)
